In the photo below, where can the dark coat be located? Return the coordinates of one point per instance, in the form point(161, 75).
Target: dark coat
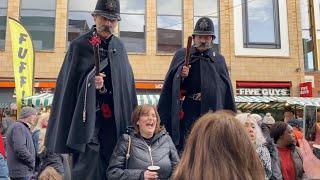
point(297, 161)
point(275, 161)
point(73, 115)
point(20, 151)
point(164, 154)
point(216, 89)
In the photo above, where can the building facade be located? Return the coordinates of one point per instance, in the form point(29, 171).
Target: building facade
point(310, 17)
point(261, 40)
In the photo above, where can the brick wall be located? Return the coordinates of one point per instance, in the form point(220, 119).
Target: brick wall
point(153, 66)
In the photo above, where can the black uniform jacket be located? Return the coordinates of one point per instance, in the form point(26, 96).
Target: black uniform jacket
point(73, 114)
point(216, 89)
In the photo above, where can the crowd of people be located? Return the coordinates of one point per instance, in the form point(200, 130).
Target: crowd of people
point(221, 145)
point(96, 130)
point(23, 155)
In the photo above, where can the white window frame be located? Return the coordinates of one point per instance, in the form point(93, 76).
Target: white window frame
point(240, 50)
point(317, 18)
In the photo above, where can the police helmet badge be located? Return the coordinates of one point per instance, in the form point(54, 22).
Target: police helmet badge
point(111, 5)
point(203, 25)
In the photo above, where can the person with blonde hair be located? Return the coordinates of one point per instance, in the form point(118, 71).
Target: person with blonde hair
point(219, 148)
point(47, 157)
point(256, 136)
point(39, 132)
point(43, 123)
point(49, 173)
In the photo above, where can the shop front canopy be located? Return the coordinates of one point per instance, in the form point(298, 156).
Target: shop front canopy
point(272, 102)
point(45, 99)
point(5, 105)
point(242, 102)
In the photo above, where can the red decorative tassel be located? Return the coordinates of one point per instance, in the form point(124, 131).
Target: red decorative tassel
point(181, 115)
point(106, 111)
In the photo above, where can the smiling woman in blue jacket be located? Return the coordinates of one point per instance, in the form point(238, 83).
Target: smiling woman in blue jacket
point(147, 144)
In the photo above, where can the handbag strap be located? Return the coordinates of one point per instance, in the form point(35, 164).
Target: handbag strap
point(128, 151)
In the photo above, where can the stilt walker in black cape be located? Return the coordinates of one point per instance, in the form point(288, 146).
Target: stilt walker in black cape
point(91, 110)
point(193, 89)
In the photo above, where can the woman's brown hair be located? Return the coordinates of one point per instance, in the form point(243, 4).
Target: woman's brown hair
point(49, 173)
point(139, 111)
point(218, 147)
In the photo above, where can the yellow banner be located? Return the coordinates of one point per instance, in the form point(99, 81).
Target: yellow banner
point(23, 60)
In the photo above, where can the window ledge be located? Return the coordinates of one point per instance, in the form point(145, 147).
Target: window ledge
point(136, 53)
point(165, 54)
point(259, 56)
point(44, 51)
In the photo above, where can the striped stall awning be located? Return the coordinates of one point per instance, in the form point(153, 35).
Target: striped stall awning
point(5, 105)
point(46, 99)
point(38, 100)
point(242, 102)
point(271, 102)
point(148, 99)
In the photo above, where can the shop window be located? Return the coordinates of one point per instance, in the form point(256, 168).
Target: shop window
point(209, 8)
point(169, 25)
point(261, 24)
point(318, 28)
point(318, 14)
point(306, 37)
point(3, 22)
point(80, 19)
point(38, 16)
point(132, 25)
point(261, 28)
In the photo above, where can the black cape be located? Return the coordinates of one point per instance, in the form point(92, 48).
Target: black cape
point(216, 89)
point(73, 114)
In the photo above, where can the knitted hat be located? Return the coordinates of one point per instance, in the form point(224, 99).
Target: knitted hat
point(27, 112)
point(256, 117)
point(268, 119)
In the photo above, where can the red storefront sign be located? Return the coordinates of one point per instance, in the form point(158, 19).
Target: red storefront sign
point(306, 89)
point(263, 88)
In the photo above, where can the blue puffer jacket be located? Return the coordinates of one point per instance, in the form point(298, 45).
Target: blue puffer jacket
point(4, 172)
point(161, 151)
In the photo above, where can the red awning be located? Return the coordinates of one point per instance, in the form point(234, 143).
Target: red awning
point(265, 84)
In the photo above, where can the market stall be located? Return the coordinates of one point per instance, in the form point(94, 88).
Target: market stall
point(273, 102)
point(242, 102)
point(45, 99)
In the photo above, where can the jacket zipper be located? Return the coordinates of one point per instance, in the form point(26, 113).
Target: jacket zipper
point(149, 149)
